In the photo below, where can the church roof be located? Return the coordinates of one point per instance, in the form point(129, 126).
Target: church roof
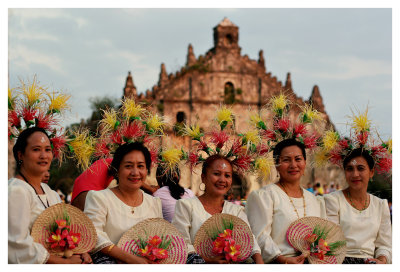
point(226, 22)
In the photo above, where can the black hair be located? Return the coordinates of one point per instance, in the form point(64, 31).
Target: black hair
point(359, 152)
point(212, 159)
point(285, 143)
point(171, 180)
point(22, 141)
point(125, 149)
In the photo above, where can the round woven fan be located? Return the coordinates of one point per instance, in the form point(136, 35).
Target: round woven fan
point(80, 223)
point(299, 229)
point(241, 233)
point(177, 250)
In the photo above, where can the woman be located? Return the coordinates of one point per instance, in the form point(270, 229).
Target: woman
point(364, 218)
point(170, 192)
point(28, 197)
point(114, 211)
point(274, 207)
point(191, 213)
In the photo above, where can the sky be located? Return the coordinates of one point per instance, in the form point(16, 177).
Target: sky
point(88, 52)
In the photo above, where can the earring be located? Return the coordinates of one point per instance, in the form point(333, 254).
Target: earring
point(202, 186)
point(370, 180)
point(19, 162)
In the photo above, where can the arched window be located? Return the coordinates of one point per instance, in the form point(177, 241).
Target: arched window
point(229, 93)
point(180, 122)
point(180, 117)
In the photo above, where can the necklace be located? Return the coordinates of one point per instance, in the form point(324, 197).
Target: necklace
point(352, 204)
point(291, 201)
point(45, 207)
point(131, 206)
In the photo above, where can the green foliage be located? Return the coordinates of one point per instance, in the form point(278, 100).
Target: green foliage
point(381, 186)
point(213, 234)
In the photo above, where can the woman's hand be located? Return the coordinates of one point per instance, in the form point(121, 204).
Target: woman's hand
point(74, 259)
point(139, 260)
point(257, 258)
point(86, 258)
point(379, 260)
point(215, 260)
point(291, 260)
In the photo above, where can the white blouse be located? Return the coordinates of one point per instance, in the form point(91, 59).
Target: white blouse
point(112, 217)
point(270, 213)
point(190, 215)
point(369, 232)
point(24, 207)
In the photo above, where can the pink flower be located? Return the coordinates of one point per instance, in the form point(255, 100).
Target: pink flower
point(311, 141)
point(146, 251)
point(13, 118)
point(344, 143)
point(219, 245)
point(133, 130)
point(29, 115)
point(102, 149)
point(73, 240)
point(262, 149)
point(219, 138)
point(154, 241)
point(242, 162)
point(231, 251)
point(202, 146)
point(153, 156)
point(311, 238)
point(319, 254)
point(236, 147)
point(300, 129)
point(193, 159)
point(227, 234)
point(159, 253)
point(45, 121)
point(116, 137)
point(323, 246)
point(362, 137)
point(61, 223)
point(269, 134)
point(336, 157)
point(282, 125)
point(384, 165)
point(58, 143)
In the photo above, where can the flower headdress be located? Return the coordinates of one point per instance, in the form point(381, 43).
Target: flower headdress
point(32, 105)
point(283, 128)
point(303, 130)
point(335, 148)
point(220, 140)
point(130, 123)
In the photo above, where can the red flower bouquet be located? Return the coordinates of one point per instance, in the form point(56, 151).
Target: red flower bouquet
point(154, 248)
point(62, 237)
point(224, 244)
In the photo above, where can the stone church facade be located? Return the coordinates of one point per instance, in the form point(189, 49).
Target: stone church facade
point(222, 75)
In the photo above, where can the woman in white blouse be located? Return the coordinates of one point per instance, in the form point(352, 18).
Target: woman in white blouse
point(191, 213)
point(274, 207)
point(28, 197)
point(364, 218)
point(114, 211)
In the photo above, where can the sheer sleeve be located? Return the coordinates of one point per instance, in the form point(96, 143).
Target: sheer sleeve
point(21, 247)
point(96, 210)
point(332, 207)
point(383, 240)
point(259, 209)
point(183, 221)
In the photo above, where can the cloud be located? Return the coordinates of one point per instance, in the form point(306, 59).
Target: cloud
point(24, 57)
point(346, 68)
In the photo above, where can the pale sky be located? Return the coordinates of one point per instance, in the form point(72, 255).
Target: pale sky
point(88, 52)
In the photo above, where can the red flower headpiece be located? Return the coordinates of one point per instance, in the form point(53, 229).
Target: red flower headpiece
point(31, 105)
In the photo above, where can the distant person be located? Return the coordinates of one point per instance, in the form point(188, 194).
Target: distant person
point(170, 191)
point(310, 188)
point(326, 189)
point(332, 188)
point(46, 177)
point(319, 190)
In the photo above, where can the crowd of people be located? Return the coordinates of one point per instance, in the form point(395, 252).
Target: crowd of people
point(364, 218)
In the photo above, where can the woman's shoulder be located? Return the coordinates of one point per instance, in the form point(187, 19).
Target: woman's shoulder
point(106, 193)
point(378, 201)
point(336, 195)
point(48, 190)
point(233, 208)
point(17, 186)
point(188, 201)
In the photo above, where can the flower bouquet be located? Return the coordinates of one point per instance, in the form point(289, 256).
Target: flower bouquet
point(62, 237)
point(157, 240)
point(224, 235)
point(320, 240)
point(154, 248)
point(64, 230)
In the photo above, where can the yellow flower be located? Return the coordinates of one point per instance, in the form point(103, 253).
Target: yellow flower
point(389, 146)
point(171, 157)
point(252, 136)
point(155, 123)
point(330, 140)
point(131, 109)
point(309, 114)
point(264, 166)
point(278, 103)
point(361, 122)
point(109, 119)
point(33, 92)
point(83, 147)
point(193, 131)
point(11, 98)
point(224, 116)
point(58, 103)
point(321, 157)
point(255, 120)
